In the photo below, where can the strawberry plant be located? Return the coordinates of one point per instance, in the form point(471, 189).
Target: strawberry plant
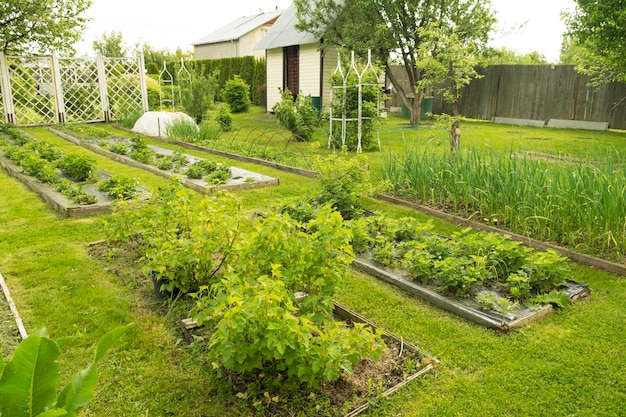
point(119, 186)
point(140, 151)
point(200, 169)
point(77, 167)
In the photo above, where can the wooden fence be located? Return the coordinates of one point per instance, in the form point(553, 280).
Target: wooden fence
point(538, 92)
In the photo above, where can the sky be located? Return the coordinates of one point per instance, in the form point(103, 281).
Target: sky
point(523, 25)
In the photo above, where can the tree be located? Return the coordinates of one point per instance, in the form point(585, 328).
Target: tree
point(570, 51)
point(110, 45)
point(41, 26)
point(599, 28)
point(448, 63)
point(394, 30)
point(503, 55)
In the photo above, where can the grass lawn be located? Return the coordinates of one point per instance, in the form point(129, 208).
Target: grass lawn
point(569, 364)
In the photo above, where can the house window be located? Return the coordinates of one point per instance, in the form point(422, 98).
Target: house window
point(291, 69)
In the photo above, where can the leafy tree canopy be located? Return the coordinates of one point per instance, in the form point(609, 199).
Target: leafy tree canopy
point(599, 28)
point(503, 55)
point(110, 45)
point(396, 28)
point(41, 26)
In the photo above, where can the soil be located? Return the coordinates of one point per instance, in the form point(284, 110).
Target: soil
point(369, 380)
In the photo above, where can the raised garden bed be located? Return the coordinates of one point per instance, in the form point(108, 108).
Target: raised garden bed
point(469, 308)
point(61, 203)
point(402, 363)
point(399, 351)
point(484, 277)
point(237, 180)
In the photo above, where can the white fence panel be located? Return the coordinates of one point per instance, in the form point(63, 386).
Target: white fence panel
point(49, 90)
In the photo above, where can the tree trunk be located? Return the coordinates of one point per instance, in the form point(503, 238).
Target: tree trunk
point(418, 96)
point(455, 136)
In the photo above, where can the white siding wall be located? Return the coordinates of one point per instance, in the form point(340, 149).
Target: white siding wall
point(310, 70)
point(330, 64)
point(274, 81)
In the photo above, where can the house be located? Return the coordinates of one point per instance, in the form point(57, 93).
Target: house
point(295, 61)
point(236, 39)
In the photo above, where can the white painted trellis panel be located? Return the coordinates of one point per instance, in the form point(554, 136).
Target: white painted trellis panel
point(36, 90)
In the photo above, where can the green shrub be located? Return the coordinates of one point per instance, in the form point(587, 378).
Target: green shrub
point(237, 95)
point(261, 324)
point(199, 95)
point(343, 181)
point(224, 118)
point(298, 116)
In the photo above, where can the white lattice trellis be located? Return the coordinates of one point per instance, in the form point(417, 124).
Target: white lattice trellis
point(48, 90)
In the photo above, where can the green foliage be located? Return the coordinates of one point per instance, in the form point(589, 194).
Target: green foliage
point(174, 162)
point(77, 167)
point(463, 263)
point(75, 192)
point(252, 70)
point(152, 68)
point(119, 187)
point(198, 96)
point(346, 102)
point(570, 203)
point(30, 379)
point(209, 131)
point(491, 301)
point(236, 94)
point(41, 26)
point(182, 129)
point(110, 45)
point(261, 322)
point(390, 26)
point(30, 154)
point(344, 180)
point(599, 32)
point(140, 150)
point(224, 118)
point(298, 116)
point(448, 61)
point(200, 168)
point(505, 56)
point(259, 327)
point(556, 298)
point(183, 243)
point(128, 116)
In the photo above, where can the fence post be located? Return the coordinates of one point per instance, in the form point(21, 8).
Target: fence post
point(5, 87)
point(104, 94)
point(142, 83)
point(58, 88)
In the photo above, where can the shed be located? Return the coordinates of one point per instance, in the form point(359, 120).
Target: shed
point(296, 60)
point(236, 39)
